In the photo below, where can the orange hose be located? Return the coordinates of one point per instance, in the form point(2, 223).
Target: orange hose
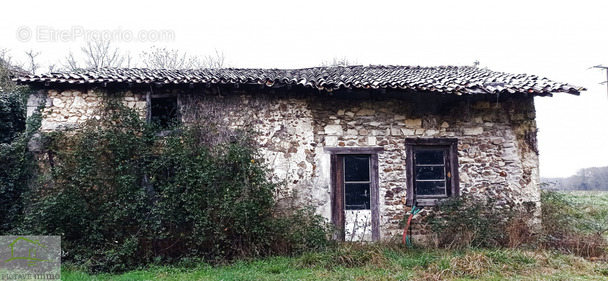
point(407, 226)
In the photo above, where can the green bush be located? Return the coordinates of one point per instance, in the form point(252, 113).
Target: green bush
point(558, 212)
point(467, 221)
point(16, 168)
point(12, 115)
point(567, 226)
point(300, 230)
point(17, 164)
point(122, 195)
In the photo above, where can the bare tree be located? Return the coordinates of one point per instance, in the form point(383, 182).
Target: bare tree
point(217, 61)
point(31, 56)
point(70, 62)
point(343, 61)
point(164, 58)
point(97, 54)
point(100, 53)
point(52, 67)
point(5, 75)
point(128, 61)
point(7, 71)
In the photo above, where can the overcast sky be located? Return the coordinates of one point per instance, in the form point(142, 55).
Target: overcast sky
point(559, 40)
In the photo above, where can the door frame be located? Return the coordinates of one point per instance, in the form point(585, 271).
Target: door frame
point(337, 188)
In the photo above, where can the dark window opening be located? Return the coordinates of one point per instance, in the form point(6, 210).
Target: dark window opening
point(357, 181)
point(164, 112)
point(432, 170)
point(431, 177)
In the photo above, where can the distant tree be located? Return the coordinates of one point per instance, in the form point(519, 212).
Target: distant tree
point(70, 62)
point(32, 64)
point(52, 67)
point(163, 58)
point(595, 178)
point(343, 61)
point(8, 70)
point(5, 73)
point(97, 54)
point(215, 61)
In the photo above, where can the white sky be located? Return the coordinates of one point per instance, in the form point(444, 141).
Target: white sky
point(555, 39)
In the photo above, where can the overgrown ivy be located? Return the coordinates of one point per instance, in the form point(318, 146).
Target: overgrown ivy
point(12, 115)
point(121, 196)
point(17, 164)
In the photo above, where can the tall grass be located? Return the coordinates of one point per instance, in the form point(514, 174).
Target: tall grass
point(567, 248)
point(383, 262)
point(574, 223)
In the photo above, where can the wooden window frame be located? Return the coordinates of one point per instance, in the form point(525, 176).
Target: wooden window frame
point(337, 184)
point(345, 183)
point(451, 166)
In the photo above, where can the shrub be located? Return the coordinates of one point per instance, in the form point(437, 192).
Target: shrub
point(12, 115)
point(122, 195)
point(298, 230)
point(17, 165)
point(566, 227)
point(467, 221)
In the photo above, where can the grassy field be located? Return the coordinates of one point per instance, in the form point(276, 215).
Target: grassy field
point(393, 262)
point(383, 263)
point(596, 199)
point(592, 207)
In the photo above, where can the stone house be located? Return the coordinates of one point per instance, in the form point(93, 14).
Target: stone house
point(361, 144)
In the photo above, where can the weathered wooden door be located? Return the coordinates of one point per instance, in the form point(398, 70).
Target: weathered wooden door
point(355, 197)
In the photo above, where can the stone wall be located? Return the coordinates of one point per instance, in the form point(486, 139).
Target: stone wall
point(68, 108)
point(497, 151)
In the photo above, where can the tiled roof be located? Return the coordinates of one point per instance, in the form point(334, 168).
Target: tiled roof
point(442, 79)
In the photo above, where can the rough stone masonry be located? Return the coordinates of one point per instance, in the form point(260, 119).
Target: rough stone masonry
point(497, 152)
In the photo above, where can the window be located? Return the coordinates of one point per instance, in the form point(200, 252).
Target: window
point(432, 170)
point(164, 111)
point(354, 185)
point(357, 181)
